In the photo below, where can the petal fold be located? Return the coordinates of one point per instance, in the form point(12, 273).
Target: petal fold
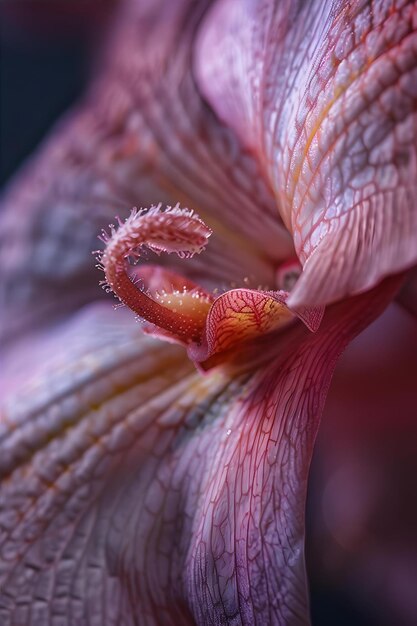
point(142, 135)
point(242, 315)
point(325, 95)
point(135, 489)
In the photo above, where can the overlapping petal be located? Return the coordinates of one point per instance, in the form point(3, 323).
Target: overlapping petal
point(325, 94)
point(135, 489)
point(142, 135)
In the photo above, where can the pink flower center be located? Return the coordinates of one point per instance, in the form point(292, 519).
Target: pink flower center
point(177, 308)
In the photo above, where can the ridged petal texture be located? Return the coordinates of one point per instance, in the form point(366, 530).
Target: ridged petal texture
point(142, 135)
point(325, 93)
point(136, 491)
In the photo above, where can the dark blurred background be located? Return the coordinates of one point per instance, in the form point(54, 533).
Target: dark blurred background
point(47, 50)
point(39, 79)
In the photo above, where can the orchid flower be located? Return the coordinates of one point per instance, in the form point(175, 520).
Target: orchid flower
point(156, 472)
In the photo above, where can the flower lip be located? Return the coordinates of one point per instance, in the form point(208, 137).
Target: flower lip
point(179, 310)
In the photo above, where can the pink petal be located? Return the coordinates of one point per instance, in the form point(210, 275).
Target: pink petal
point(135, 488)
point(142, 135)
point(246, 315)
point(325, 95)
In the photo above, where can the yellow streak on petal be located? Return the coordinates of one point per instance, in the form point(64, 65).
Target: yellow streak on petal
point(244, 315)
